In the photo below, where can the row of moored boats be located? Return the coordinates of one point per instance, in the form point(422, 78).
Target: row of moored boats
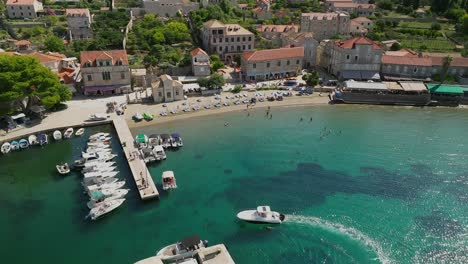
point(152, 147)
point(106, 192)
point(38, 140)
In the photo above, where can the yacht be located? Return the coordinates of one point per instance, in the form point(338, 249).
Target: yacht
point(113, 186)
point(159, 152)
point(153, 140)
point(97, 163)
point(147, 154)
point(183, 248)
point(97, 117)
point(176, 140)
point(97, 155)
point(102, 150)
point(96, 196)
point(92, 176)
point(98, 168)
point(43, 139)
point(6, 147)
point(57, 135)
point(99, 139)
point(33, 140)
point(105, 208)
point(68, 133)
point(263, 214)
point(166, 140)
point(99, 134)
point(99, 181)
point(168, 180)
point(93, 204)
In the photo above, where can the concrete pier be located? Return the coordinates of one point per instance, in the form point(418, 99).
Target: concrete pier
point(143, 180)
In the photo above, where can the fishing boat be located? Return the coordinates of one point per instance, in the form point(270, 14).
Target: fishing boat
point(159, 152)
point(153, 140)
point(79, 132)
point(43, 139)
point(23, 143)
point(57, 135)
point(137, 116)
point(6, 147)
point(176, 140)
point(93, 204)
point(148, 116)
point(68, 133)
point(97, 117)
point(262, 215)
point(63, 168)
point(168, 180)
point(32, 139)
point(165, 140)
point(105, 208)
point(14, 145)
point(183, 248)
point(141, 140)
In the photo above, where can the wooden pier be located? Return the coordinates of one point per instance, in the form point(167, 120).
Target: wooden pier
point(141, 175)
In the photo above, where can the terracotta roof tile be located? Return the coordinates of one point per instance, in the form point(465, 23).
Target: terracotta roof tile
point(361, 19)
point(22, 42)
point(354, 5)
point(351, 43)
point(278, 28)
point(273, 54)
point(20, 2)
point(115, 55)
point(77, 12)
point(400, 60)
point(197, 51)
point(320, 16)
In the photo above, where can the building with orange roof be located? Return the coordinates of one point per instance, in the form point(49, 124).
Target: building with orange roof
point(79, 23)
point(23, 8)
point(272, 64)
point(105, 72)
point(273, 32)
point(354, 8)
point(360, 25)
point(358, 58)
point(325, 25)
point(200, 62)
point(23, 46)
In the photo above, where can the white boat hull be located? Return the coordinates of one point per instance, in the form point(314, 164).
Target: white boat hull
point(79, 132)
point(105, 208)
point(6, 147)
point(251, 216)
point(57, 135)
point(68, 133)
point(32, 139)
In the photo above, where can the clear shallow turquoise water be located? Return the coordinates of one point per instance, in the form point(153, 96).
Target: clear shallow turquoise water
point(391, 187)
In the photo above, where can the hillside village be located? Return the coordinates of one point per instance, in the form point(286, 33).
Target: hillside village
point(100, 48)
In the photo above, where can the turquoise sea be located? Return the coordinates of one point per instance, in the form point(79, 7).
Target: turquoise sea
point(358, 184)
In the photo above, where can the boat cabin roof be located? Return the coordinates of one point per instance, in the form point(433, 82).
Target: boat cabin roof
point(175, 135)
point(158, 148)
point(154, 136)
point(263, 209)
point(165, 136)
point(190, 241)
point(168, 174)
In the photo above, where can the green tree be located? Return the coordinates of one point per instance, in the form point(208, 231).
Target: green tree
point(395, 46)
point(54, 44)
point(385, 4)
point(445, 67)
point(465, 24)
point(216, 63)
point(24, 77)
point(215, 81)
point(175, 32)
point(311, 79)
point(436, 26)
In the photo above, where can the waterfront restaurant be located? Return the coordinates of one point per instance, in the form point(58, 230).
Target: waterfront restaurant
point(448, 95)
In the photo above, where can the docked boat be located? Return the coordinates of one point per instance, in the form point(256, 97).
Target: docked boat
point(97, 163)
point(165, 140)
point(23, 143)
point(68, 133)
point(183, 248)
point(159, 153)
point(112, 186)
point(99, 144)
point(6, 147)
point(98, 150)
point(63, 168)
point(148, 116)
point(99, 139)
point(79, 132)
point(153, 140)
point(99, 181)
point(100, 174)
point(105, 208)
point(141, 140)
point(176, 140)
point(57, 135)
point(147, 154)
point(97, 117)
point(97, 155)
point(93, 204)
point(138, 116)
point(99, 134)
point(91, 163)
point(43, 139)
point(14, 145)
point(96, 196)
point(99, 168)
point(263, 215)
point(32, 139)
point(168, 180)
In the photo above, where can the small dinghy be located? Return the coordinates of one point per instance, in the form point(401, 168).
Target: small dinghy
point(68, 133)
point(43, 139)
point(33, 140)
point(14, 145)
point(138, 116)
point(263, 215)
point(6, 147)
point(63, 168)
point(23, 143)
point(57, 135)
point(79, 132)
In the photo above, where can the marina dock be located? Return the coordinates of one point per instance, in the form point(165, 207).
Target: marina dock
point(143, 180)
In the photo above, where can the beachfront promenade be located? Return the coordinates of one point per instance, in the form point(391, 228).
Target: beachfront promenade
point(143, 180)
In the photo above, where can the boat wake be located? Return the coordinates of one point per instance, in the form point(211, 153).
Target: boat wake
point(342, 229)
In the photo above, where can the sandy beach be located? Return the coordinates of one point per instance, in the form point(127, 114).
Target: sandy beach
point(80, 108)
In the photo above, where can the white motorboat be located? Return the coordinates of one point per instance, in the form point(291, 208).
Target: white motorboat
point(63, 168)
point(168, 180)
point(97, 155)
point(99, 181)
point(43, 139)
point(98, 169)
point(100, 174)
point(99, 134)
point(105, 208)
point(14, 145)
point(79, 132)
point(147, 154)
point(93, 204)
point(98, 187)
point(262, 215)
point(97, 117)
point(99, 144)
point(99, 164)
point(166, 140)
point(177, 140)
point(6, 147)
point(96, 196)
point(98, 150)
point(99, 139)
point(23, 143)
point(137, 116)
point(183, 248)
point(159, 152)
point(32, 139)
point(68, 133)
point(90, 163)
point(153, 140)
point(57, 135)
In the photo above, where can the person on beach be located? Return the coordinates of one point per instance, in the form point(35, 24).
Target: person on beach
point(302, 119)
point(310, 119)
